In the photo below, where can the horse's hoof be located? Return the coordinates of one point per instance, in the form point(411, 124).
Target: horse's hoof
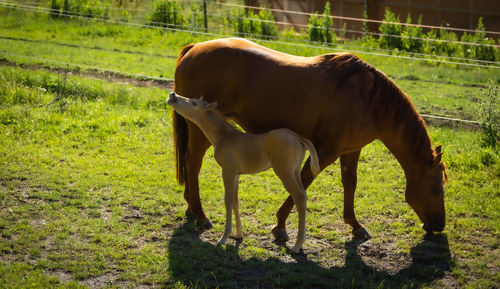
point(190, 215)
point(361, 233)
point(204, 224)
point(280, 234)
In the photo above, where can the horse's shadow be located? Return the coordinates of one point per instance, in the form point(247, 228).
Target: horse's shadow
point(196, 263)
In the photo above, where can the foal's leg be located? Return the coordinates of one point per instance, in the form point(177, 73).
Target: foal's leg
point(348, 168)
point(236, 209)
point(197, 146)
point(230, 182)
point(292, 185)
point(326, 157)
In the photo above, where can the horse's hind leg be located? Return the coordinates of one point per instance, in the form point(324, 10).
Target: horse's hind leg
point(348, 167)
point(197, 146)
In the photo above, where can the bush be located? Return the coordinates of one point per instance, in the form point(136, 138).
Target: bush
point(412, 36)
point(490, 116)
point(86, 8)
point(250, 23)
point(483, 51)
point(320, 27)
point(167, 13)
point(55, 8)
point(268, 25)
point(388, 29)
point(196, 19)
point(448, 44)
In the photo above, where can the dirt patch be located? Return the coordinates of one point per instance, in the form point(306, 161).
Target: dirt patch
point(100, 74)
point(100, 281)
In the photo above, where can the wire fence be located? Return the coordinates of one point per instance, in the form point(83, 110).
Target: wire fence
point(284, 41)
point(307, 14)
point(151, 77)
point(469, 123)
point(364, 20)
point(221, 16)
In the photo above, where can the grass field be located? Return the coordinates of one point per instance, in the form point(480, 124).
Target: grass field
point(88, 196)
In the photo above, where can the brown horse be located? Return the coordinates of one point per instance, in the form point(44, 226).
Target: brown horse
point(337, 101)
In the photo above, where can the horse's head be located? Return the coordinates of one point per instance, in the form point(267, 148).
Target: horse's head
point(425, 193)
point(193, 109)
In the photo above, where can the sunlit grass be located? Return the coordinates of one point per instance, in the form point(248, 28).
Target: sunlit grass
point(88, 195)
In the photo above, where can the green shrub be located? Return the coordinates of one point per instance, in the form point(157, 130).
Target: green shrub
point(249, 23)
point(467, 49)
point(314, 28)
point(167, 13)
point(55, 7)
point(87, 8)
point(196, 18)
point(412, 36)
point(489, 112)
point(483, 51)
point(268, 25)
point(320, 27)
point(391, 32)
point(448, 43)
point(429, 45)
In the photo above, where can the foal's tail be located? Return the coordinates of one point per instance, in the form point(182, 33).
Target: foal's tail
point(313, 154)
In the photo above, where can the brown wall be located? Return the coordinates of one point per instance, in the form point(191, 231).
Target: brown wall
point(455, 13)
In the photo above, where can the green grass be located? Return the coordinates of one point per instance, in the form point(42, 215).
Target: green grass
point(88, 198)
point(43, 41)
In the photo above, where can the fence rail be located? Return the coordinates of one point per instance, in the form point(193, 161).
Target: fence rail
point(292, 42)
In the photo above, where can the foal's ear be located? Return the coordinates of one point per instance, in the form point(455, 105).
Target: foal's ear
point(437, 160)
point(438, 149)
point(211, 106)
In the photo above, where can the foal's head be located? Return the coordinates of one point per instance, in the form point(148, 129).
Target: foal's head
point(193, 109)
point(425, 193)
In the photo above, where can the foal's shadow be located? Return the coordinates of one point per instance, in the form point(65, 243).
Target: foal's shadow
point(197, 263)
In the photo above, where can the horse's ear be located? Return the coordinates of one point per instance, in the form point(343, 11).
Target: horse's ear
point(202, 98)
point(438, 149)
point(211, 106)
point(437, 160)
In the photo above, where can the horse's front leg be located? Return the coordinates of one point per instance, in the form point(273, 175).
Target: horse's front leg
point(348, 168)
point(197, 146)
point(230, 179)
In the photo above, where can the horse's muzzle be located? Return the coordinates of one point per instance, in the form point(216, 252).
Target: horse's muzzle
point(172, 98)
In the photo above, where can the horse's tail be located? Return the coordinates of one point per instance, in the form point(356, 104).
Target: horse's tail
point(180, 140)
point(313, 154)
point(180, 134)
point(184, 51)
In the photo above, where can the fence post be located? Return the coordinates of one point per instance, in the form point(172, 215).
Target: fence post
point(205, 14)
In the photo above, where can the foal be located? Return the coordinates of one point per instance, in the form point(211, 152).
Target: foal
point(240, 153)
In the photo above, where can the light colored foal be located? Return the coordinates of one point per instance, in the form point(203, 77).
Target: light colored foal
point(240, 153)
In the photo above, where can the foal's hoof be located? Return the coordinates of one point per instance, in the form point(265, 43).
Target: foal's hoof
point(280, 234)
point(204, 224)
point(361, 233)
point(297, 250)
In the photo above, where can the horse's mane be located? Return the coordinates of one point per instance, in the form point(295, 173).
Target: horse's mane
point(389, 105)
